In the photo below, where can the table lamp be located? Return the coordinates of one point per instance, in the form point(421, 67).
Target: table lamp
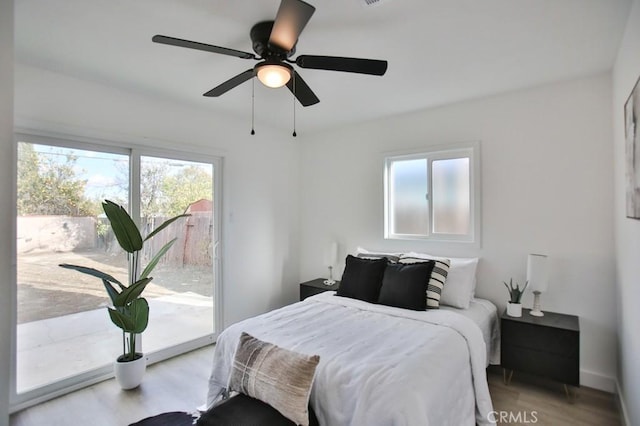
point(538, 278)
point(330, 259)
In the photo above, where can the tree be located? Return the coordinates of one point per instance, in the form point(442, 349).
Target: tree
point(28, 174)
point(48, 185)
point(191, 184)
point(167, 190)
point(152, 175)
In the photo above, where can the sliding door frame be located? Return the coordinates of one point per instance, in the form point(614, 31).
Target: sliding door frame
point(19, 401)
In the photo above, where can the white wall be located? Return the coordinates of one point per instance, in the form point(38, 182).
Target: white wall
point(260, 194)
point(546, 188)
point(627, 231)
point(6, 189)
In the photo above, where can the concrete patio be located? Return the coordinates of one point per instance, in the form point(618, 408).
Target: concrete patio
point(53, 349)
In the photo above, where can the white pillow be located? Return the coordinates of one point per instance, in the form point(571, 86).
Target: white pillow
point(366, 254)
point(460, 285)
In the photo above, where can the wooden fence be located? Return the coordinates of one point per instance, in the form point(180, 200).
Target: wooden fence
point(194, 243)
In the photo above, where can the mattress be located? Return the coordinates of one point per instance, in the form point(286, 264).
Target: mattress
point(378, 364)
point(485, 314)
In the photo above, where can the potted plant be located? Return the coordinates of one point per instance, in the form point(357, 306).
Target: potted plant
point(130, 311)
point(514, 307)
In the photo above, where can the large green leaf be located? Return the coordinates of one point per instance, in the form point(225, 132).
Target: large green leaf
point(93, 272)
point(133, 318)
point(111, 291)
point(164, 225)
point(121, 319)
point(153, 262)
point(123, 226)
point(139, 310)
point(131, 293)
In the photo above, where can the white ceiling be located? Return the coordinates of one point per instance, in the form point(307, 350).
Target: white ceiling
point(439, 51)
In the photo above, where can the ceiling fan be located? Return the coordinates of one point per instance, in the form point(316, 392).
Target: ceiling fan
point(274, 42)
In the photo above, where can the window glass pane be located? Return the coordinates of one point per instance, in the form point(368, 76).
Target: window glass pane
point(181, 293)
point(63, 328)
point(451, 196)
point(409, 207)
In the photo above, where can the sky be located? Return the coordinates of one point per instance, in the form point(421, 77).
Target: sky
point(106, 173)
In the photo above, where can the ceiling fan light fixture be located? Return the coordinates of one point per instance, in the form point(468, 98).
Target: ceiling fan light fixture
point(273, 75)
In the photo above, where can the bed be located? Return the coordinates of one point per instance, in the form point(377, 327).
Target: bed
point(379, 364)
point(485, 315)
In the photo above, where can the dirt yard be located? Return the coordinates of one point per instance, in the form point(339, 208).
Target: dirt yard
point(45, 290)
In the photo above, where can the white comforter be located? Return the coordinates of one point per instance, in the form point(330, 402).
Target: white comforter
point(379, 365)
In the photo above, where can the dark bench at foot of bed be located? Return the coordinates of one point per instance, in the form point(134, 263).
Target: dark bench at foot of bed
point(242, 410)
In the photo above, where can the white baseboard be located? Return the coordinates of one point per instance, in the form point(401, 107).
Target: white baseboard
point(597, 381)
point(606, 384)
point(624, 416)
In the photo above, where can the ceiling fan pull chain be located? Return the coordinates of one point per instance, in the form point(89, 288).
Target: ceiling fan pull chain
point(294, 106)
point(253, 104)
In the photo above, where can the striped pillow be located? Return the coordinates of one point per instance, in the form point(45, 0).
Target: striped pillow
point(391, 258)
point(367, 254)
point(437, 280)
point(274, 375)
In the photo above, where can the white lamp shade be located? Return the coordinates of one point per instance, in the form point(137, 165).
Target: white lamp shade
point(331, 254)
point(538, 272)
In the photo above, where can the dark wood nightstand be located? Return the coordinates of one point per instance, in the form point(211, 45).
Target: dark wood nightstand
point(547, 346)
point(316, 286)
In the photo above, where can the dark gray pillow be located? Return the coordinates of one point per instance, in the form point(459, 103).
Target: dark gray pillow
point(438, 277)
point(362, 278)
point(274, 375)
point(404, 286)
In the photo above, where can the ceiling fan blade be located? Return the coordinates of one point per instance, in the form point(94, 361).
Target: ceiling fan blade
point(231, 83)
point(201, 46)
point(336, 63)
point(291, 19)
point(302, 91)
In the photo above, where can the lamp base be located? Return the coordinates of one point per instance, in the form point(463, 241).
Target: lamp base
point(536, 312)
point(329, 281)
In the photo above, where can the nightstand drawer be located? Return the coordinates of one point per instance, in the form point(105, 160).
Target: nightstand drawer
point(545, 364)
point(564, 343)
point(547, 346)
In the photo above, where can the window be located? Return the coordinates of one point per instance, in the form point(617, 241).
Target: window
point(433, 195)
point(63, 333)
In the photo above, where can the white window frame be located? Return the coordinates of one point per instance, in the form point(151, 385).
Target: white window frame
point(469, 150)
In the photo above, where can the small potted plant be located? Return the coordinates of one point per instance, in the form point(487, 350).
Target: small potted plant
point(514, 307)
point(130, 311)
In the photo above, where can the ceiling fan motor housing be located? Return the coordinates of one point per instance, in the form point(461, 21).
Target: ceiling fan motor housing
point(260, 34)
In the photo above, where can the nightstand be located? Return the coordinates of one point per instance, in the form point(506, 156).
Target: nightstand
point(316, 286)
point(547, 346)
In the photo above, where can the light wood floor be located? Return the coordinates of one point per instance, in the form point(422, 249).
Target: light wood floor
point(527, 394)
point(180, 384)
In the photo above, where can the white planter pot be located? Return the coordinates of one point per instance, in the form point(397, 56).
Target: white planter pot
point(514, 309)
point(129, 374)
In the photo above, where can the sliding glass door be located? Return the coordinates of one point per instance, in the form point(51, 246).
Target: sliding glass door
point(64, 336)
point(61, 327)
point(181, 293)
